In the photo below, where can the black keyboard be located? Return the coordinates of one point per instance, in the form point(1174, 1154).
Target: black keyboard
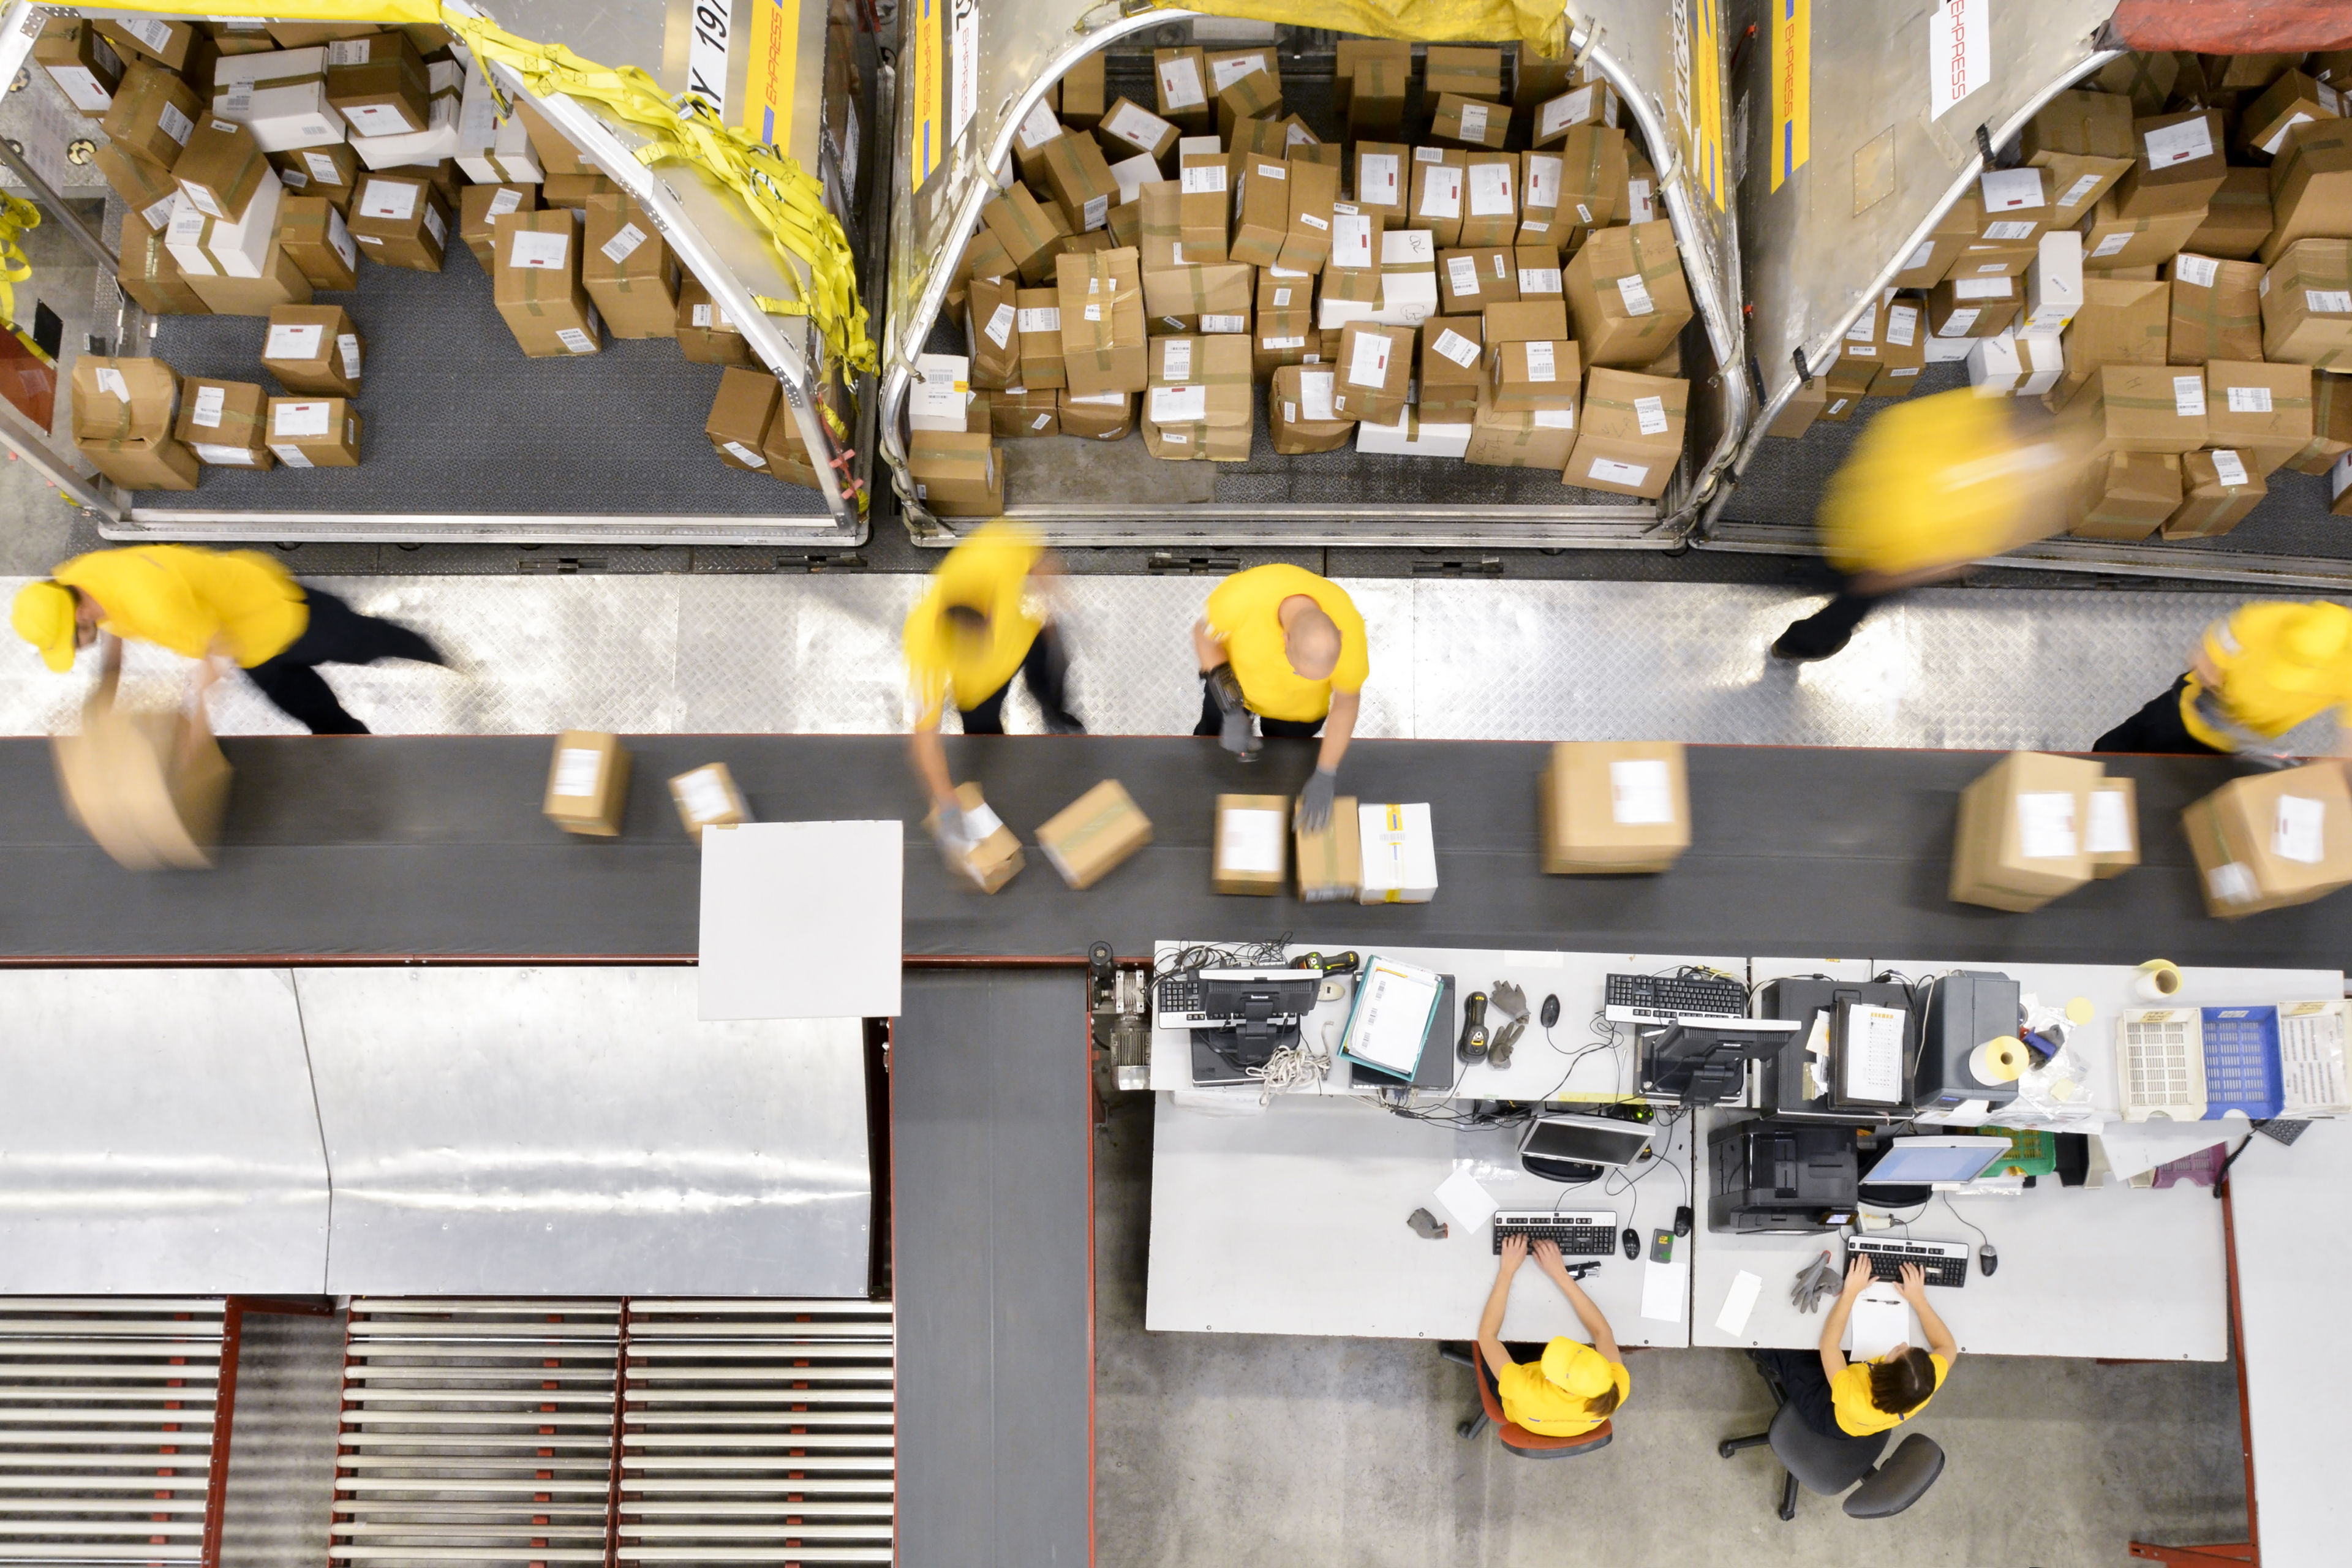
point(1578, 1233)
point(1677, 994)
point(1946, 1263)
point(1180, 995)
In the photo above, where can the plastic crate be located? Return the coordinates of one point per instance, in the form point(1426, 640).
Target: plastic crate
point(2241, 1062)
point(2031, 1152)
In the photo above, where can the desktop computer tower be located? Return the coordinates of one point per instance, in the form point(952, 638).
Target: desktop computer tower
point(1774, 1175)
point(1966, 1010)
point(1797, 999)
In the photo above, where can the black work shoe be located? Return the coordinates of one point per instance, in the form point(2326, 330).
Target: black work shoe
point(1796, 652)
point(1063, 724)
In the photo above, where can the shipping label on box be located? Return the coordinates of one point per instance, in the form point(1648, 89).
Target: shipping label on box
point(588, 783)
point(1250, 847)
point(1614, 806)
point(1087, 840)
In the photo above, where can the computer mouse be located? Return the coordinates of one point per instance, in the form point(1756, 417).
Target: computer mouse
point(1550, 1014)
point(1987, 1259)
point(1632, 1240)
point(1683, 1220)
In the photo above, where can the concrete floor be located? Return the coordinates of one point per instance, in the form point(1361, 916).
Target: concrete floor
point(1217, 1449)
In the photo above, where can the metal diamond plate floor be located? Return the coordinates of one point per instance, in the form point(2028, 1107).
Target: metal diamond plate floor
point(1450, 659)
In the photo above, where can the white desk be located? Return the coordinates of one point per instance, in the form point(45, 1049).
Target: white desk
point(1292, 1221)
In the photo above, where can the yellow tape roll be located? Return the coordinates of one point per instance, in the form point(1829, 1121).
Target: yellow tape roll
point(1997, 1061)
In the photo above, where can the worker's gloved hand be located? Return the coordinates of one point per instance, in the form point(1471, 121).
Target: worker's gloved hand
point(1314, 802)
point(1235, 734)
point(952, 829)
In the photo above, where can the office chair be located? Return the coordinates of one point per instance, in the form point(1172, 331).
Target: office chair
point(1830, 1464)
point(1513, 1437)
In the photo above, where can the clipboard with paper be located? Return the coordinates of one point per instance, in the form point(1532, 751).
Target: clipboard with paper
point(1389, 1020)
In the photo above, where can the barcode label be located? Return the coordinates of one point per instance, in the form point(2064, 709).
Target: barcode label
point(2250, 399)
point(2199, 270)
point(1636, 295)
point(2188, 396)
point(1650, 413)
point(2229, 469)
point(618, 249)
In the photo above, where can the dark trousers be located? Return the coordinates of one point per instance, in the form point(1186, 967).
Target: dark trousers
point(1046, 668)
point(1805, 1386)
point(1212, 722)
point(336, 633)
point(1827, 629)
point(2156, 729)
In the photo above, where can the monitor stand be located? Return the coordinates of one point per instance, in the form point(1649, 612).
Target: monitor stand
point(1212, 1066)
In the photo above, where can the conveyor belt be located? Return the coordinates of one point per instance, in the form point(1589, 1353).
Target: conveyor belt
point(436, 847)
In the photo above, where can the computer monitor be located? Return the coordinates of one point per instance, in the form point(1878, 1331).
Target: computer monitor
point(1251, 1016)
point(1924, 1162)
point(1706, 1063)
point(1553, 1142)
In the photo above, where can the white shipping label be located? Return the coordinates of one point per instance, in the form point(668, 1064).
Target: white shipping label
point(999, 329)
point(2011, 229)
point(576, 768)
point(618, 249)
point(2230, 469)
point(706, 798)
point(1921, 256)
point(323, 168)
point(110, 381)
point(2007, 190)
point(1252, 842)
point(1958, 323)
point(1650, 415)
point(1203, 179)
point(158, 216)
point(1641, 793)
point(394, 199)
point(1180, 83)
point(1368, 366)
point(227, 457)
point(2199, 270)
point(745, 455)
point(1232, 68)
point(1224, 323)
point(1282, 343)
point(2328, 301)
point(1094, 215)
point(201, 200)
point(1351, 240)
point(574, 338)
point(2188, 396)
point(1901, 324)
point(298, 420)
point(1490, 190)
point(1553, 418)
point(1462, 272)
point(177, 125)
point(2301, 833)
point(1456, 347)
point(1138, 126)
point(348, 52)
point(380, 119)
point(1314, 390)
point(347, 346)
point(155, 35)
point(210, 403)
point(2233, 883)
point(1541, 363)
point(1539, 280)
point(2045, 824)
point(2079, 191)
point(1037, 128)
point(1311, 221)
point(1440, 194)
point(1864, 331)
point(2248, 399)
point(1179, 404)
point(1282, 298)
point(539, 251)
point(1429, 155)
point(1093, 311)
point(1176, 359)
point(1502, 268)
point(1543, 180)
point(1473, 122)
point(2112, 244)
point(1041, 422)
point(1570, 108)
point(2297, 117)
point(510, 200)
point(288, 341)
point(292, 457)
point(2110, 830)
point(1636, 295)
point(2170, 144)
point(1041, 319)
point(1641, 203)
point(1609, 471)
point(79, 83)
point(436, 225)
point(1981, 289)
point(1376, 179)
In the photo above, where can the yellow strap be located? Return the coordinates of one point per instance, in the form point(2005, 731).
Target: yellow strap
point(1533, 21)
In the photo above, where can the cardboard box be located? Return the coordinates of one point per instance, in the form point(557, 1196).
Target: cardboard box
point(1080, 179)
point(1261, 210)
point(956, 475)
point(939, 395)
point(2081, 121)
point(1330, 860)
point(1476, 72)
point(223, 171)
point(152, 116)
point(315, 239)
point(1633, 434)
point(150, 788)
point(992, 331)
point(1040, 323)
point(2014, 208)
point(215, 247)
point(707, 797)
point(149, 192)
point(2076, 183)
point(1372, 87)
point(223, 423)
point(85, 65)
point(1092, 836)
point(2112, 836)
point(1452, 365)
point(1973, 307)
point(123, 411)
point(536, 284)
point(2273, 839)
point(1626, 293)
point(1614, 806)
point(2054, 282)
point(1470, 121)
point(2331, 426)
point(1180, 82)
point(2126, 496)
point(301, 35)
point(1470, 280)
point(574, 190)
point(1081, 88)
point(1520, 439)
point(996, 858)
point(2177, 165)
point(1036, 131)
point(1248, 85)
point(280, 97)
point(401, 221)
point(708, 335)
point(1933, 257)
point(2021, 840)
point(1411, 436)
point(1021, 413)
point(314, 433)
point(1399, 854)
point(2292, 99)
point(1804, 406)
point(281, 284)
point(741, 416)
point(1104, 416)
point(1250, 849)
point(587, 784)
point(478, 205)
point(490, 150)
point(2264, 409)
point(2142, 408)
point(2112, 238)
point(379, 84)
point(1383, 179)
point(330, 172)
point(2014, 366)
point(2310, 187)
point(2307, 304)
point(627, 269)
point(1307, 226)
point(1525, 378)
point(1982, 259)
point(2238, 218)
point(2219, 489)
point(1103, 333)
point(1029, 238)
point(2216, 309)
point(176, 46)
point(1200, 404)
point(1528, 322)
point(1300, 413)
point(314, 349)
point(1374, 369)
point(1129, 128)
point(1594, 104)
point(2119, 323)
point(1491, 201)
point(1409, 290)
point(1438, 176)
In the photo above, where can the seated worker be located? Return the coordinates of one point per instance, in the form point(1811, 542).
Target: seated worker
point(209, 605)
point(966, 638)
point(2251, 677)
point(1283, 643)
point(1574, 1387)
point(1840, 1399)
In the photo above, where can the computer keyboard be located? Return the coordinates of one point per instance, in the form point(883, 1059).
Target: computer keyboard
point(1945, 1263)
point(1578, 1233)
point(1180, 996)
point(1663, 998)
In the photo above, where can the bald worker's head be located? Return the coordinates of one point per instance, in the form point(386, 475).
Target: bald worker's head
point(1312, 642)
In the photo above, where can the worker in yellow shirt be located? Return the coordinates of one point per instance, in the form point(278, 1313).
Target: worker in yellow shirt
point(966, 639)
point(210, 605)
point(1288, 647)
point(1838, 1398)
point(2251, 677)
point(1573, 1387)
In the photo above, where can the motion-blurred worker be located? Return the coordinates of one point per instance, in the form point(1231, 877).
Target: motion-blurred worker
point(211, 604)
point(2251, 677)
point(966, 638)
point(1287, 645)
point(1934, 485)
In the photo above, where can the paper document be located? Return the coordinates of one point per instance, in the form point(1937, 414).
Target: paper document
point(1739, 1302)
point(1394, 1002)
point(1664, 1286)
point(1880, 1321)
point(1470, 1204)
point(1873, 1068)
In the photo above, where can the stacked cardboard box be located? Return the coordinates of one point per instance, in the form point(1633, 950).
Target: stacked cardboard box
point(2031, 830)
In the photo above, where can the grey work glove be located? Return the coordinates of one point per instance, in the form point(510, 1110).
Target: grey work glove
point(952, 831)
point(1315, 804)
point(1816, 1283)
point(1235, 735)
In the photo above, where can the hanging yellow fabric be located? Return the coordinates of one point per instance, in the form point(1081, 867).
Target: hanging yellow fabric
point(16, 215)
point(1542, 26)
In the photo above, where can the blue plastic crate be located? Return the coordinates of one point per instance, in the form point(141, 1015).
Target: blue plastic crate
point(2241, 1062)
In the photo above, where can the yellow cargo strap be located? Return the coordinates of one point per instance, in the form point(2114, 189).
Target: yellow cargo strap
point(16, 215)
point(1533, 21)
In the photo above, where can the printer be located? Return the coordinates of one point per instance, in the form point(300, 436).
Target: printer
point(1798, 998)
point(1966, 1008)
point(1771, 1175)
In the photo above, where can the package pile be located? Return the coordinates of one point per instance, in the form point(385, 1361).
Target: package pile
point(2170, 267)
point(1505, 292)
point(262, 161)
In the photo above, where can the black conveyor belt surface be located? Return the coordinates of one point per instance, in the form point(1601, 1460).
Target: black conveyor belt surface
point(991, 1142)
point(434, 846)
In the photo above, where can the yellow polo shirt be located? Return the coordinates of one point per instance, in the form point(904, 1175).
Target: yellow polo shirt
point(182, 597)
point(1242, 615)
point(1850, 1396)
point(1928, 485)
point(1531, 1400)
point(988, 571)
point(2265, 687)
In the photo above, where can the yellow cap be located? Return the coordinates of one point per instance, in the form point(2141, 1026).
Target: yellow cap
point(44, 616)
point(1925, 486)
point(1577, 1368)
point(2318, 639)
